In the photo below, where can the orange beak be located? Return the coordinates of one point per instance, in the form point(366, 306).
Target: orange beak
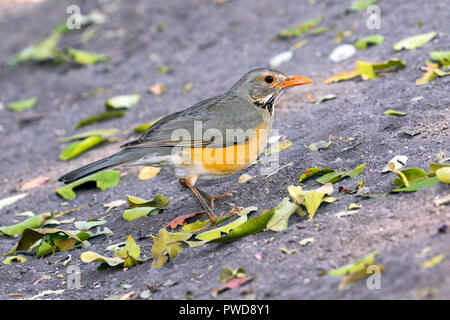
point(294, 81)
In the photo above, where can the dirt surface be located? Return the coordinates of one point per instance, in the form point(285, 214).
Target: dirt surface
point(212, 45)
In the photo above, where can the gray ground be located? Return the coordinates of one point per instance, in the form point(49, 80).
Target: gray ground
point(212, 45)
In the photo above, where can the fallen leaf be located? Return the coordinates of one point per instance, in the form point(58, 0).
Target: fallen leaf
point(325, 98)
point(167, 245)
point(414, 41)
point(84, 57)
point(114, 204)
point(300, 29)
point(144, 127)
point(433, 261)
point(359, 5)
point(217, 232)
point(318, 145)
point(159, 202)
point(181, 220)
point(367, 70)
point(11, 259)
point(282, 213)
point(148, 173)
point(32, 222)
point(103, 180)
point(443, 174)
point(363, 43)
point(442, 56)
point(10, 200)
point(164, 70)
point(334, 176)
point(102, 133)
point(350, 268)
point(397, 161)
point(187, 87)
point(122, 102)
point(139, 212)
point(279, 147)
point(244, 178)
point(251, 226)
point(305, 241)
point(391, 112)
point(354, 206)
point(311, 172)
point(86, 225)
point(79, 147)
point(22, 105)
point(34, 183)
point(100, 117)
point(157, 89)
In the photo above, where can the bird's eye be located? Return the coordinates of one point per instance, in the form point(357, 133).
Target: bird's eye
point(269, 79)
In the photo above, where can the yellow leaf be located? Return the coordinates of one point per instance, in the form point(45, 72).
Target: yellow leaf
point(147, 173)
point(433, 261)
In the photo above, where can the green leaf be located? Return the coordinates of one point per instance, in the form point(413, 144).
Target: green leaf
point(139, 212)
point(318, 145)
point(436, 166)
point(409, 177)
point(90, 256)
point(86, 225)
point(167, 245)
point(100, 117)
point(442, 56)
point(159, 202)
point(391, 64)
point(41, 51)
point(164, 70)
point(11, 259)
point(102, 133)
point(122, 102)
point(359, 5)
point(84, 57)
point(363, 43)
point(144, 127)
point(32, 222)
point(334, 177)
point(22, 105)
point(429, 76)
point(281, 215)
point(366, 70)
point(217, 232)
point(104, 180)
point(130, 253)
point(414, 41)
point(300, 29)
point(443, 174)
point(50, 240)
point(251, 226)
point(391, 112)
point(79, 147)
point(419, 185)
point(10, 200)
point(311, 172)
point(357, 266)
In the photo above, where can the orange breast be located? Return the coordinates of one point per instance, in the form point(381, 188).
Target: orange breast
point(228, 160)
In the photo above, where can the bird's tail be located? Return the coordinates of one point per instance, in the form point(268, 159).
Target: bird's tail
point(121, 158)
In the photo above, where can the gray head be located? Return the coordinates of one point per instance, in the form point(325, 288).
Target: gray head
point(263, 86)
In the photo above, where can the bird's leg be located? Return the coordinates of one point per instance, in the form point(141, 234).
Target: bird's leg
point(190, 183)
point(213, 198)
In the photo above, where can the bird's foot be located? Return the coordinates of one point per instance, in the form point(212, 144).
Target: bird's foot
point(211, 198)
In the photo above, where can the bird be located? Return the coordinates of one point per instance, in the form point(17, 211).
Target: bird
point(214, 138)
